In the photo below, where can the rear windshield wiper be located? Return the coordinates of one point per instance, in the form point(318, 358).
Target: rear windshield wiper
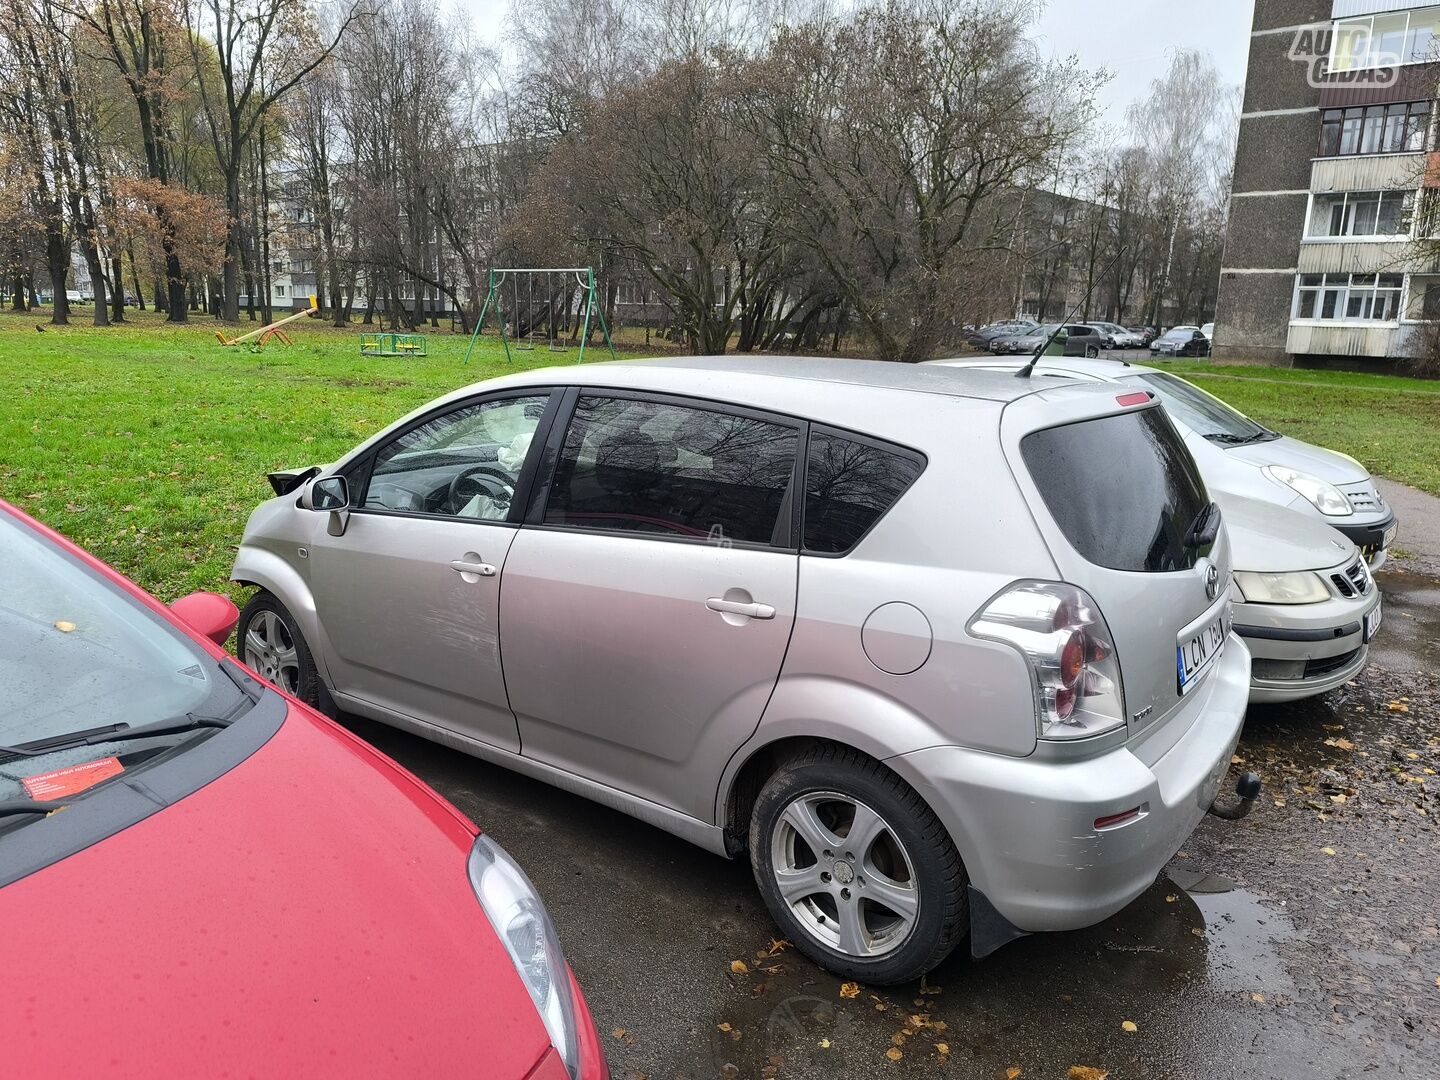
point(114, 733)
point(1205, 528)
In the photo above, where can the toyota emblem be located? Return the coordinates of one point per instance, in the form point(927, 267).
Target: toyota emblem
point(1212, 581)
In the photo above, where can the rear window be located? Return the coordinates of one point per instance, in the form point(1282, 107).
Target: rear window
point(1123, 489)
point(849, 484)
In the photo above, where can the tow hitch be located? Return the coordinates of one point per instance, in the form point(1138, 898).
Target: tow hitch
point(1246, 790)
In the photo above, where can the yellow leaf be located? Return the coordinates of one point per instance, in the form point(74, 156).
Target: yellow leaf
point(1398, 706)
point(618, 1033)
point(1012, 1072)
point(1328, 850)
point(894, 1053)
point(723, 1027)
point(824, 1044)
point(1338, 799)
point(1086, 1072)
point(919, 1021)
point(1198, 931)
point(849, 990)
point(739, 967)
point(942, 1049)
point(1341, 744)
point(64, 626)
point(1130, 1026)
point(1256, 997)
point(1171, 898)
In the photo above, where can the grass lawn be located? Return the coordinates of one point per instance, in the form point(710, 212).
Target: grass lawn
point(149, 444)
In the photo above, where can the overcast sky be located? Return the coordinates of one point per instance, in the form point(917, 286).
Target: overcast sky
point(1131, 38)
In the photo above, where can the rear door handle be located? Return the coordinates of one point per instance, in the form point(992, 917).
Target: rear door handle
point(735, 607)
point(484, 569)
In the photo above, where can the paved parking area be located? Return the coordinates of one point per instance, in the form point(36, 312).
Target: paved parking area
point(1300, 942)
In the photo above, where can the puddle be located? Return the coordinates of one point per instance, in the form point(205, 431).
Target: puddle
point(1242, 934)
point(1409, 635)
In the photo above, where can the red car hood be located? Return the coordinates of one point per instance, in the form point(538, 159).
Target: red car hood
point(307, 913)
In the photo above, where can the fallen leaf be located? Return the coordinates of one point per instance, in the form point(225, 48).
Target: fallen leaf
point(919, 1021)
point(1086, 1072)
point(1198, 931)
point(1398, 706)
point(723, 1027)
point(899, 1038)
point(618, 1033)
point(1343, 744)
point(1328, 850)
point(894, 1053)
point(739, 967)
point(824, 1044)
point(1171, 898)
point(1236, 759)
point(1257, 997)
point(1130, 1026)
point(942, 1049)
point(1012, 1072)
point(1339, 799)
point(849, 990)
point(64, 626)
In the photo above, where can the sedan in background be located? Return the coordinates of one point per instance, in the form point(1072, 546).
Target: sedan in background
point(1117, 337)
point(1181, 341)
point(1074, 339)
point(1146, 334)
point(1239, 456)
point(1302, 598)
point(285, 897)
point(985, 335)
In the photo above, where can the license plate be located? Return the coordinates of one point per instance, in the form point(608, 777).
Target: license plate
point(1372, 623)
point(1195, 654)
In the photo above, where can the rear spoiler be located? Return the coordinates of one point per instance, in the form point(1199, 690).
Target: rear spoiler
point(287, 481)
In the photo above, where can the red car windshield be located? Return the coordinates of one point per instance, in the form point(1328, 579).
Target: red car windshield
point(77, 654)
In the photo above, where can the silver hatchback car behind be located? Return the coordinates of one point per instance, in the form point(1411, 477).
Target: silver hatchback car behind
point(947, 653)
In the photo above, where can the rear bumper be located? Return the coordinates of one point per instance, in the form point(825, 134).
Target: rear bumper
point(1025, 826)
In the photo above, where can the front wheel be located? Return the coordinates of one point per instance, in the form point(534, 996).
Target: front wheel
point(1092, 351)
point(270, 643)
point(856, 868)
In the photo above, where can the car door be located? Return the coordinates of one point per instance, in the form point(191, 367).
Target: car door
point(409, 595)
point(649, 598)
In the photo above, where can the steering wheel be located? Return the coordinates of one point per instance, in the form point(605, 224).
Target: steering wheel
point(480, 480)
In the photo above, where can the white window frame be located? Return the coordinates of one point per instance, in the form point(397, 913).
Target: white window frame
point(1343, 300)
point(1359, 238)
point(1369, 22)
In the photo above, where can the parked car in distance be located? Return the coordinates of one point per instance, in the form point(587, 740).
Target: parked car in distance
point(1240, 457)
point(707, 592)
point(1208, 329)
point(981, 338)
point(1303, 600)
point(1117, 337)
point(1076, 340)
point(1181, 341)
point(279, 891)
point(1147, 334)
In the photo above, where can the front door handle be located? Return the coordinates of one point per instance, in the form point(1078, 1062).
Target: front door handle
point(735, 607)
point(461, 566)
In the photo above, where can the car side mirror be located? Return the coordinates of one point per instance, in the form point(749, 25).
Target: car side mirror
point(332, 493)
point(208, 614)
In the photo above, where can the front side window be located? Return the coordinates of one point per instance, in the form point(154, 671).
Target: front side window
point(635, 466)
point(849, 484)
point(1349, 297)
point(464, 463)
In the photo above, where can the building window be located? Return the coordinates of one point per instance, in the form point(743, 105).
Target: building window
point(1385, 40)
point(1348, 297)
point(1374, 129)
point(1360, 213)
point(279, 290)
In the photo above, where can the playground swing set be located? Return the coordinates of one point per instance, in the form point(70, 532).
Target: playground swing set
point(546, 320)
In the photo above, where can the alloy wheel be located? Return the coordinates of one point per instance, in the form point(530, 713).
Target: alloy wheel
point(845, 875)
point(269, 649)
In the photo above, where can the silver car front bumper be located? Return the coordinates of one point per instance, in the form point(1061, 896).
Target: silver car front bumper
point(1025, 827)
point(1302, 650)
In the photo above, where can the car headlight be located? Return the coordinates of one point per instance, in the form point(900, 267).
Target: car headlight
point(1324, 496)
point(519, 918)
point(1299, 587)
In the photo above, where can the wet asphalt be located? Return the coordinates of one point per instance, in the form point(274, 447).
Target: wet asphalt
point(1303, 941)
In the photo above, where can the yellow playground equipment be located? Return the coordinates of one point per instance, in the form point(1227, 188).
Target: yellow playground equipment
point(258, 339)
point(388, 344)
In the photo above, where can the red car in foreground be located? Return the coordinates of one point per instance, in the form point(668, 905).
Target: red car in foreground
point(199, 876)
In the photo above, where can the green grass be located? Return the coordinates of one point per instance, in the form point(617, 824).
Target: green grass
point(149, 444)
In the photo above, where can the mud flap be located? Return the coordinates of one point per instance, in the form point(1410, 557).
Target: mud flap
point(988, 928)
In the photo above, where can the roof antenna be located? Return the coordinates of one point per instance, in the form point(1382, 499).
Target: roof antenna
point(1024, 372)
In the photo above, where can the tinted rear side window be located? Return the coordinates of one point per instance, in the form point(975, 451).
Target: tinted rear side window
point(848, 485)
point(669, 470)
point(1123, 489)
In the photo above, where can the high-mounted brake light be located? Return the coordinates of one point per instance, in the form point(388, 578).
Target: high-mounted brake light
point(1140, 397)
point(1061, 634)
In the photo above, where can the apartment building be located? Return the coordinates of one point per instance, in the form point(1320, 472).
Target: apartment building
point(1329, 192)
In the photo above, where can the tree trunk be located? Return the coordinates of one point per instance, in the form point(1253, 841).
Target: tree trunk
point(57, 257)
point(117, 289)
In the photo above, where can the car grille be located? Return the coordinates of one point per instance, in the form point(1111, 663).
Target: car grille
point(1354, 580)
point(1364, 497)
point(1316, 668)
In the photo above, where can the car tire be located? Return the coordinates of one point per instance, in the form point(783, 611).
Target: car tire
point(908, 855)
point(1092, 352)
point(269, 642)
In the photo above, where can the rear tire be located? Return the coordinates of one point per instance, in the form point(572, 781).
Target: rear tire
point(877, 892)
point(1092, 352)
point(268, 641)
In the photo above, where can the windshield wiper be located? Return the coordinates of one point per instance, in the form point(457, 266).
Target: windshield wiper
point(1241, 440)
point(1205, 528)
point(16, 807)
point(114, 733)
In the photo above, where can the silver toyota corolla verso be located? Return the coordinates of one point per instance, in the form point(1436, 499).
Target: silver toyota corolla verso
point(947, 653)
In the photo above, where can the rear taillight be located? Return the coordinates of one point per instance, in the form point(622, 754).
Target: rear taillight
point(1063, 637)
